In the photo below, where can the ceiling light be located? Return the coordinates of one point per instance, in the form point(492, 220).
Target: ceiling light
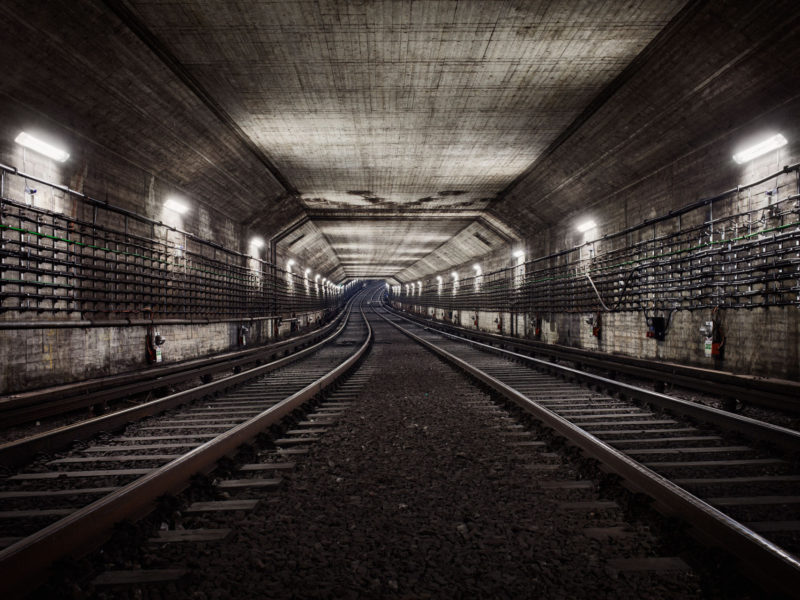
point(439, 278)
point(307, 271)
point(586, 226)
point(37, 145)
point(176, 205)
point(772, 143)
point(289, 263)
point(518, 253)
point(257, 242)
point(454, 275)
point(477, 268)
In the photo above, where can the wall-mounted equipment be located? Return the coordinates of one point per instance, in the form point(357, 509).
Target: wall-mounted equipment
point(153, 343)
point(595, 322)
point(656, 328)
point(713, 337)
point(536, 327)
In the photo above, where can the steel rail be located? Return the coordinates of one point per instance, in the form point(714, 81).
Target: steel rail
point(786, 438)
point(24, 407)
point(772, 393)
point(18, 452)
point(768, 562)
point(88, 526)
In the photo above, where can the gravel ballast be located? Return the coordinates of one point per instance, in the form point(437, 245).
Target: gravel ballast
point(422, 489)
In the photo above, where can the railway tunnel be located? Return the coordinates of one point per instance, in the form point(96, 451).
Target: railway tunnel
point(375, 229)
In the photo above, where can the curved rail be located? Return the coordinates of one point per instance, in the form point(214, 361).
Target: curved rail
point(769, 562)
point(87, 526)
point(758, 391)
point(24, 450)
point(29, 406)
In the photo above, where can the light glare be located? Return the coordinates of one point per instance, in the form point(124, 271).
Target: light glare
point(176, 206)
point(748, 154)
point(37, 145)
point(586, 226)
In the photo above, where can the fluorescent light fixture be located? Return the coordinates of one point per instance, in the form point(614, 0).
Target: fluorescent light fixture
point(454, 275)
point(439, 278)
point(257, 242)
point(586, 226)
point(748, 154)
point(176, 205)
point(419, 283)
point(317, 277)
point(307, 271)
point(324, 279)
point(37, 145)
point(289, 263)
point(477, 268)
point(518, 253)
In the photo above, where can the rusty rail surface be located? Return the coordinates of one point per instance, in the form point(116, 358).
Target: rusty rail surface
point(84, 529)
point(25, 407)
point(18, 452)
point(770, 563)
point(780, 394)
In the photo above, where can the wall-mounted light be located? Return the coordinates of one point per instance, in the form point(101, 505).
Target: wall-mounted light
point(586, 226)
point(257, 242)
point(176, 205)
point(439, 278)
point(289, 264)
point(316, 278)
point(37, 145)
point(518, 253)
point(771, 143)
point(477, 268)
point(454, 275)
point(306, 272)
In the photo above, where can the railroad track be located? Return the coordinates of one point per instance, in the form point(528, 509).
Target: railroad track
point(732, 387)
point(26, 407)
point(734, 479)
point(67, 505)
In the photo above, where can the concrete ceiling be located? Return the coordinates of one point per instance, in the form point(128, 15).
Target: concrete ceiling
point(399, 105)
point(397, 137)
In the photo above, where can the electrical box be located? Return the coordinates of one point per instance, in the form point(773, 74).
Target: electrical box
point(656, 328)
point(708, 331)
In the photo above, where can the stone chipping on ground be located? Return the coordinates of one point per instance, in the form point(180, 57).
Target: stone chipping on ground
point(415, 493)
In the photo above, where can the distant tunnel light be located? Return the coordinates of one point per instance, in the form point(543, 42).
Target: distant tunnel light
point(748, 154)
point(257, 242)
point(176, 205)
point(37, 145)
point(586, 226)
